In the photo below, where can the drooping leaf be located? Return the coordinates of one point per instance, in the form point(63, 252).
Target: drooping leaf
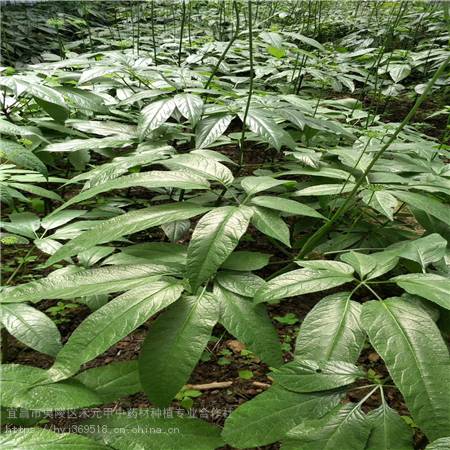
point(270, 223)
point(154, 115)
point(417, 358)
point(174, 344)
point(214, 238)
point(286, 205)
point(22, 156)
point(190, 106)
point(381, 201)
point(107, 325)
point(210, 129)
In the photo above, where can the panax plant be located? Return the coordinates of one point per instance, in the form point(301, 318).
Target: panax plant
point(184, 169)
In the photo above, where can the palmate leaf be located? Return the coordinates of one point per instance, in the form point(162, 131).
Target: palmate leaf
point(154, 115)
point(332, 330)
point(417, 358)
point(42, 439)
point(427, 285)
point(174, 344)
point(149, 180)
point(110, 323)
point(344, 428)
point(249, 324)
point(303, 281)
point(31, 327)
point(28, 387)
point(214, 238)
point(302, 375)
point(127, 223)
point(388, 430)
point(208, 130)
point(101, 280)
point(269, 416)
point(186, 433)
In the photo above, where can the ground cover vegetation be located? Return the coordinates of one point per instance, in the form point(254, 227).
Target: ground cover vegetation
point(225, 224)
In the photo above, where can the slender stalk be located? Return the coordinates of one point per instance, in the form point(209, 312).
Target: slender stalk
point(183, 20)
point(250, 87)
point(153, 32)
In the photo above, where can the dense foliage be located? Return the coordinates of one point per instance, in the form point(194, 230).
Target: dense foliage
point(185, 167)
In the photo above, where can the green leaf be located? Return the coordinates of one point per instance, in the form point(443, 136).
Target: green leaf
point(399, 71)
point(31, 327)
point(176, 230)
point(21, 156)
point(23, 223)
point(22, 387)
point(149, 180)
point(55, 220)
point(190, 106)
point(215, 236)
point(245, 284)
point(302, 375)
point(87, 282)
point(205, 167)
point(265, 127)
point(177, 433)
point(112, 322)
point(75, 145)
point(174, 344)
point(82, 99)
point(42, 439)
point(246, 261)
point(363, 264)
point(427, 285)
point(210, 129)
point(426, 203)
point(381, 201)
point(154, 115)
point(346, 427)
point(252, 185)
point(332, 330)
point(417, 358)
point(299, 282)
point(388, 430)
point(439, 444)
point(287, 206)
point(103, 127)
point(249, 324)
point(113, 381)
point(269, 416)
point(325, 189)
point(56, 112)
point(269, 223)
point(128, 223)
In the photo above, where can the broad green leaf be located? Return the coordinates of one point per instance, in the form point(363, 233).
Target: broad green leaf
point(149, 180)
point(439, 444)
point(200, 165)
point(423, 250)
point(23, 223)
point(417, 358)
point(344, 428)
point(57, 112)
point(75, 145)
point(43, 439)
point(190, 106)
point(269, 416)
point(96, 72)
point(154, 115)
point(56, 219)
point(306, 40)
point(176, 230)
point(102, 127)
point(325, 189)
point(21, 156)
point(399, 71)
point(287, 206)
point(363, 264)
point(245, 284)
point(128, 223)
point(31, 327)
point(427, 285)
point(381, 201)
point(331, 331)
point(299, 282)
point(46, 94)
point(430, 205)
point(388, 430)
point(12, 129)
point(174, 433)
point(246, 261)
point(302, 375)
point(265, 127)
point(214, 238)
point(112, 322)
point(210, 129)
point(82, 99)
point(174, 344)
point(269, 223)
point(249, 324)
point(22, 387)
point(86, 282)
point(252, 185)
point(113, 381)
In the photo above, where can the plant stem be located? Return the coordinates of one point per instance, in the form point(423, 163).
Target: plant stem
point(183, 20)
